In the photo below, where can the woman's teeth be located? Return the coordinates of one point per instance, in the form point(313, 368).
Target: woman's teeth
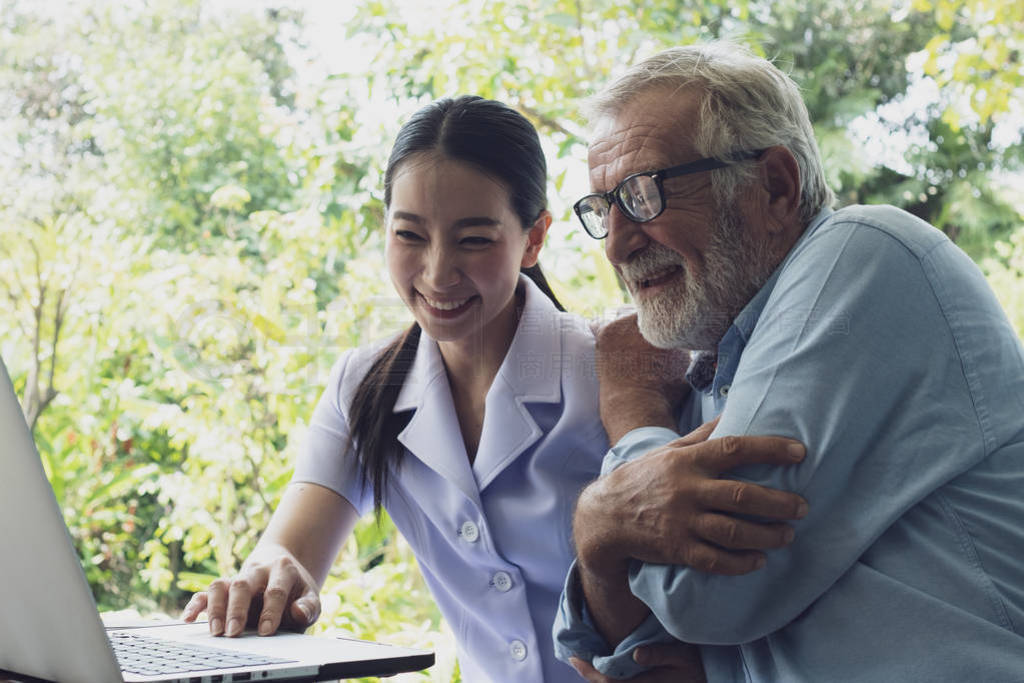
point(445, 305)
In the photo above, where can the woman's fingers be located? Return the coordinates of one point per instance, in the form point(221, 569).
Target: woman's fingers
point(240, 597)
point(194, 607)
point(282, 586)
point(264, 596)
point(217, 605)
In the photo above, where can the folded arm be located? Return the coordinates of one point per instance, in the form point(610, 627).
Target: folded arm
point(670, 507)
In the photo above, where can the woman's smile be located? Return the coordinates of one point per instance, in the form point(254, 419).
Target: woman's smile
point(455, 250)
point(447, 308)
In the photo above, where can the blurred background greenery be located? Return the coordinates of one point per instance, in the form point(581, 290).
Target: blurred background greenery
point(190, 224)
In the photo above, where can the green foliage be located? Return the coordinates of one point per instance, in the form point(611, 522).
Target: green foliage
point(1006, 275)
point(193, 231)
point(979, 43)
point(193, 110)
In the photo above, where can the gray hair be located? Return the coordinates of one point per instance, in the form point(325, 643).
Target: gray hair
point(746, 104)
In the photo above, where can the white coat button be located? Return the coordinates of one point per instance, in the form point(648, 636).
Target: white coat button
point(469, 532)
point(502, 581)
point(723, 391)
point(518, 650)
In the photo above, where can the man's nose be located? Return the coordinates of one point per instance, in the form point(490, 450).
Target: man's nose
point(625, 237)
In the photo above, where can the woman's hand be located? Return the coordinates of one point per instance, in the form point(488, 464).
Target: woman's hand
point(279, 584)
point(267, 594)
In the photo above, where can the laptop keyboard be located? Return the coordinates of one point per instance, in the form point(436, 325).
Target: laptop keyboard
point(147, 656)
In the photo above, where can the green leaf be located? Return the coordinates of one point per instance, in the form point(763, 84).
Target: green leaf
point(561, 19)
point(194, 582)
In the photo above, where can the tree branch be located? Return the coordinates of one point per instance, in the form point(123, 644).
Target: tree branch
point(32, 395)
point(587, 66)
point(547, 121)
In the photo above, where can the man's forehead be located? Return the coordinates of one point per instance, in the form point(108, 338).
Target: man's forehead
point(652, 131)
point(623, 138)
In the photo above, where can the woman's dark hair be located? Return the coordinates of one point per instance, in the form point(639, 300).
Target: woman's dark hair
point(501, 143)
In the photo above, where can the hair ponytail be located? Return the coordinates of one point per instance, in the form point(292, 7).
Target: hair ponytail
point(537, 275)
point(375, 425)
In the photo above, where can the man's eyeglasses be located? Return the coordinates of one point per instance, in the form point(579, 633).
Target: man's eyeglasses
point(641, 196)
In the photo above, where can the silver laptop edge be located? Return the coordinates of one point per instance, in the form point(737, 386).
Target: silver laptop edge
point(43, 589)
point(51, 629)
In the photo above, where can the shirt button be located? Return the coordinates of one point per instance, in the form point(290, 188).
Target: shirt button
point(469, 531)
point(723, 391)
point(517, 649)
point(503, 582)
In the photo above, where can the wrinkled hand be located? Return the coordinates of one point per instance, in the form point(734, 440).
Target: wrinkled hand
point(669, 662)
point(268, 595)
point(641, 385)
point(671, 507)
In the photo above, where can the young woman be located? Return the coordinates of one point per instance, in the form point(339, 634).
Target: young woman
point(475, 429)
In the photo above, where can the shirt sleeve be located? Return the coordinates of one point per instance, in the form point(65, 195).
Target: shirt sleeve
point(324, 456)
point(854, 357)
point(574, 633)
point(635, 444)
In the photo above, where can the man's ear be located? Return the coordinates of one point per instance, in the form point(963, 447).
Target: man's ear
point(780, 180)
point(535, 239)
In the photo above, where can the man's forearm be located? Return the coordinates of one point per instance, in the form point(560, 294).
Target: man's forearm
point(615, 611)
point(641, 386)
point(627, 409)
point(603, 568)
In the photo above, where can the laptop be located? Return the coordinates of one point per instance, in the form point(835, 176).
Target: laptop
point(50, 629)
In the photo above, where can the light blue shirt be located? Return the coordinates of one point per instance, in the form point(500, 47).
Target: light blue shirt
point(493, 538)
point(879, 345)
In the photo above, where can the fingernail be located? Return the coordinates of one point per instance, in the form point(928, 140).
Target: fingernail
point(796, 451)
point(802, 509)
point(760, 562)
point(234, 627)
point(216, 627)
point(266, 627)
point(789, 535)
point(304, 610)
point(639, 655)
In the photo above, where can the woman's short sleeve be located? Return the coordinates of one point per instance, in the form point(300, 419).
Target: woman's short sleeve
point(324, 456)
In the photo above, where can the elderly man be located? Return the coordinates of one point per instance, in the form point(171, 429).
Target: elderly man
point(863, 333)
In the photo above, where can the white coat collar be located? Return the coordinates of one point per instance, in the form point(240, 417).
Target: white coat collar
point(530, 373)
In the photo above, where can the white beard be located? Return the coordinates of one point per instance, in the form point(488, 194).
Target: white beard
point(694, 313)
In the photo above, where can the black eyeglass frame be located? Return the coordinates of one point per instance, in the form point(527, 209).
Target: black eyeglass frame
point(612, 196)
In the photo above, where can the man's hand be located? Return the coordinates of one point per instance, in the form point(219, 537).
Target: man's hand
point(670, 663)
point(671, 507)
point(641, 385)
point(279, 593)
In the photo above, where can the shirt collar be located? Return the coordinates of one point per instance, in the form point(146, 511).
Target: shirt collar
point(532, 367)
